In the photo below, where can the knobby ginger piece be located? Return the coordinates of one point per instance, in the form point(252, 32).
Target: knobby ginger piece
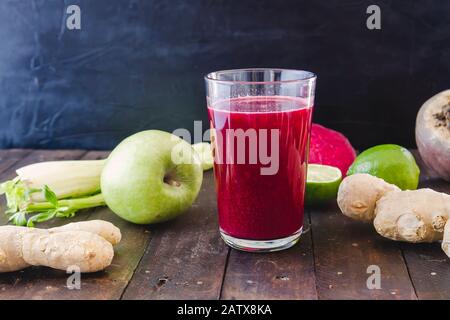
point(446, 240)
point(86, 245)
point(358, 194)
point(11, 248)
point(412, 215)
point(61, 250)
point(104, 229)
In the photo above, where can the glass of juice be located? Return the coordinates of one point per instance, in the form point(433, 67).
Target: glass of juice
point(260, 128)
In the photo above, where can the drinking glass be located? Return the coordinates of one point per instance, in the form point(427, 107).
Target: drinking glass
point(260, 129)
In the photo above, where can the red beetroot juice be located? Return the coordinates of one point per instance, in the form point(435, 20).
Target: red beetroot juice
point(251, 205)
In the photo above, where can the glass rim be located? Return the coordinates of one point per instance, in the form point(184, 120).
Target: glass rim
point(310, 76)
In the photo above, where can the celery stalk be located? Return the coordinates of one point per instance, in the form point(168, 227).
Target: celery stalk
point(45, 190)
point(71, 204)
point(73, 178)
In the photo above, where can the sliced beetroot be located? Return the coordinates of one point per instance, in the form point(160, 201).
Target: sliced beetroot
point(331, 148)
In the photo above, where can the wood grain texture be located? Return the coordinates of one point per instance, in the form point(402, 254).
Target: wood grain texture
point(428, 265)
point(343, 250)
point(128, 253)
point(287, 274)
point(31, 283)
point(186, 257)
point(9, 157)
point(45, 283)
point(29, 158)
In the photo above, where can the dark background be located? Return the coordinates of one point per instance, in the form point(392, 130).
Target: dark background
point(138, 65)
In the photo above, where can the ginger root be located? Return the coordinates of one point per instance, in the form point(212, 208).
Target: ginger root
point(102, 228)
point(412, 215)
point(358, 194)
point(86, 245)
point(446, 240)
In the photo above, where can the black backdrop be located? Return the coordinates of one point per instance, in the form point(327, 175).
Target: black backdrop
point(137, 65)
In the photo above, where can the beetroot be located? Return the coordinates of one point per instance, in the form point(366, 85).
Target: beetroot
point(433, 133)
point(331, 148)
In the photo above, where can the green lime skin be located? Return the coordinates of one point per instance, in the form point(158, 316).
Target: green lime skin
point(321, 193)
point(390, 162)
point(322, 184)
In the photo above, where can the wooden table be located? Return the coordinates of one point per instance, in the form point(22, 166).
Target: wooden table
point(186, 259)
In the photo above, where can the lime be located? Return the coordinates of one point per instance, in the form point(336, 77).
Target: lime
point(322, 183)
point(390, 162)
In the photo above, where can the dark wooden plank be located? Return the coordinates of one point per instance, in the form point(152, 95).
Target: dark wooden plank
point(427, 263)
point(186, 257)
point(429, 270)
point(15, 285)
point(343, 251)
point(128, 253)
point(287, 274)
point(45, 283)
point(9, 157)
point(29, 158)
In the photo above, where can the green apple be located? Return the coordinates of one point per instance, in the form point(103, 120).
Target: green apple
point(151, 176)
